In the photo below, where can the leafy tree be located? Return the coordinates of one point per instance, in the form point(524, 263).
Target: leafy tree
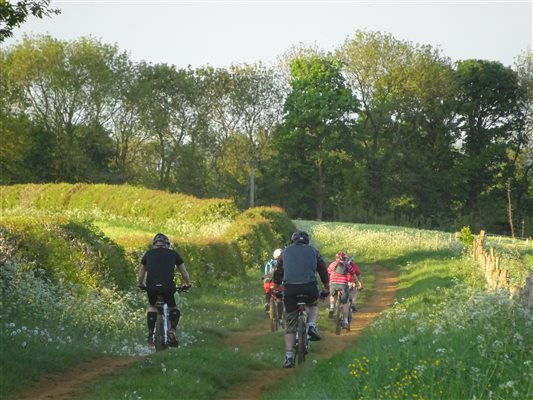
point(13, 14)
point(168, 112)
point(487, 105)
point(405, 124)
point(244, 105)
point(315, 141)
point(522, 153)
point(67, 90)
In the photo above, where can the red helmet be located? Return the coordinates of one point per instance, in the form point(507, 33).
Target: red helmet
point(340, 255)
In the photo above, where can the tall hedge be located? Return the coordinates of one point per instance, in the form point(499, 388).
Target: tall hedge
point(75, 251)
point(121, 201)
point(247, 242)
point(258, 231)
point(207, 259)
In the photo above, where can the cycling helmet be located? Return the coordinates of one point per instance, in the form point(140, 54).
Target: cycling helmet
point(300, 237)
point(161, 238)
point(340, 255)
point(276, 253)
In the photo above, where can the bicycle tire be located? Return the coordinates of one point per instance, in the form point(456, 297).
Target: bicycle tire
point(159, 339)
point(338, 315)
point(274, 321)
point(302, 339)
point(349, 318)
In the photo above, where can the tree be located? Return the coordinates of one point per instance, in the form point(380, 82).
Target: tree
point(487, 106)
point(169, 114)
point(315, 140)
point(68, 91)
point(522, 154)
point(14, 14)
point(405, 125)
point(244, 104)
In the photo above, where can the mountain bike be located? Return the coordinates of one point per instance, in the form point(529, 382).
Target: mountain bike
point(302, 340)
point(338, 315)
point(162, 323)
point(276, 311)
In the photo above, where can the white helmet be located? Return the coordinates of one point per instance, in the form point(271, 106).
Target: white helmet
point(277, 253)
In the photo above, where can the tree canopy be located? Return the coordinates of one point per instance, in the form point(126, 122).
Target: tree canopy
point(380, 130)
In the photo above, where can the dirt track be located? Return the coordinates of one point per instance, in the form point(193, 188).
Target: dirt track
point(67, 385)
point(382, 298)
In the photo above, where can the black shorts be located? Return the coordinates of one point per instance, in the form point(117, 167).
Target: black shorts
point(291, 291)
point(165, 291)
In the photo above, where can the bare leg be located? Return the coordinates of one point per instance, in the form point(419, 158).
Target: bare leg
point(312, 313)
point(290, 341)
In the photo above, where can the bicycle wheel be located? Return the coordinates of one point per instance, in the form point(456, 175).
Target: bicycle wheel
point(349, 318)
point(281, 315)
point(159, 336)
point(302, 339)
point(273, 314)
point(338, 315)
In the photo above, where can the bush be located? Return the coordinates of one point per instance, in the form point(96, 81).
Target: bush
point(69, 250)
point(466, 237)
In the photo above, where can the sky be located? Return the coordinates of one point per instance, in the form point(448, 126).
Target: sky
point(220, 33)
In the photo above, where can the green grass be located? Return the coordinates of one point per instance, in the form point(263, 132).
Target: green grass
point(445, 338)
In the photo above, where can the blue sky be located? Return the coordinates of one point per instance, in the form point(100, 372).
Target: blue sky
point(219, 33)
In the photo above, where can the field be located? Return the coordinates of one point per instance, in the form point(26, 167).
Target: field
point(445, 336)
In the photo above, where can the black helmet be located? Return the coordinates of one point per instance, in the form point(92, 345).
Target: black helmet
point(300, 237)
point(162, 239)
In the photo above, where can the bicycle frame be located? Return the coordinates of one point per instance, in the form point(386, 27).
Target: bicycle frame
point(162, 324)
point(302, 340)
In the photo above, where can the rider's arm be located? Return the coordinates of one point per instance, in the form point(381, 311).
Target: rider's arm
point(185, 274)
point(357, 275)
point(141, 275)
point(322, 270)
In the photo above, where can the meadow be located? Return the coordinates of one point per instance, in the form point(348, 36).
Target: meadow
point(445, 337)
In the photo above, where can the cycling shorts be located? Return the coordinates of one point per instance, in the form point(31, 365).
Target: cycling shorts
point(165, 291)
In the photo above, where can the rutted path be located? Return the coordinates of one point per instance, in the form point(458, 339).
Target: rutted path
point(65, 385)
point(382, 298)
point(69, 385)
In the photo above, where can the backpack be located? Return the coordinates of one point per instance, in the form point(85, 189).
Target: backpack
point(341, 268)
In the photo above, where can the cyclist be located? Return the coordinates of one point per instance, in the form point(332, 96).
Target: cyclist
point(268, 283)
point(339, 271)
point(156, 276)
point(296, 269)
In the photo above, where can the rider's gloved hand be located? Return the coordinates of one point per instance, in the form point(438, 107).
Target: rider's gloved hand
point(185, 287)
point(142, 287)
point(324, 293)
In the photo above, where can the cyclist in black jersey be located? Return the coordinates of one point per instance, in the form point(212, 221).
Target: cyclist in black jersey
point(156, 276)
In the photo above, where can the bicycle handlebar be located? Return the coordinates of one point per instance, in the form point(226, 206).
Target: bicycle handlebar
point(180, 289)
point(183, 288)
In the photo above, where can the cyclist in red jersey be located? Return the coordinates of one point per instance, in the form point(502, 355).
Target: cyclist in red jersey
point(339, 272)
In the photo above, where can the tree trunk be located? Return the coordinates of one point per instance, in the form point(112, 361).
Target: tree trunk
point(510, 208)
